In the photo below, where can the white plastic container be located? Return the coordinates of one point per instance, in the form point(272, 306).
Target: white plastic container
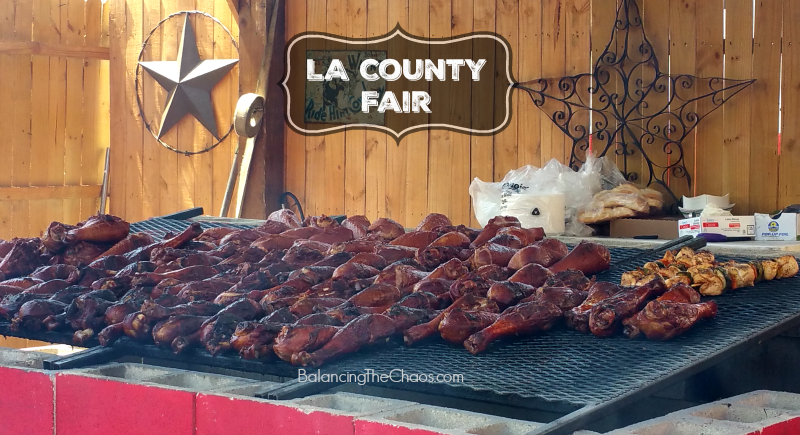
point(545, 211)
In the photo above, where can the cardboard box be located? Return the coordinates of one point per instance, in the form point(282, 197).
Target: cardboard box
point(729, 226)
point(785, 228)
point(665, 228)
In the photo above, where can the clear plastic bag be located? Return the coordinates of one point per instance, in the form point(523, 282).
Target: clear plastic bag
point(577, 187)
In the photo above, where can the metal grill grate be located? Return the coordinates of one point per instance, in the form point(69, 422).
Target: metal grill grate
point(158, 227)
point(572, 369)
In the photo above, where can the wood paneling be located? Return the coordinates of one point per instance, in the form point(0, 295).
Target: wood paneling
point(734, 150)
point(55, 115)
point(146, 178)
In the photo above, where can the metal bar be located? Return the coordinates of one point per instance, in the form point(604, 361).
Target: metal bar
point(185, 214)
point(104, 192)
point(90, 357)
point(581, 418)
point(295, 389)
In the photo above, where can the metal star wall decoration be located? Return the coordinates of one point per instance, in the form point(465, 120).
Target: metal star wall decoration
point(631, 105)
point(189, 82)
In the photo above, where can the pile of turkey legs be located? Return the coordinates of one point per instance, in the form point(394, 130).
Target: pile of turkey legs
point(310, 292)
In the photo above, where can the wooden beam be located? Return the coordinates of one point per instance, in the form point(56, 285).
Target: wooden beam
point(234, 4)
point(55, 50)
point(49, 192)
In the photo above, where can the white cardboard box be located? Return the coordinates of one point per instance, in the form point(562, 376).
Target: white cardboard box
point(785, 228)
point(730, 226)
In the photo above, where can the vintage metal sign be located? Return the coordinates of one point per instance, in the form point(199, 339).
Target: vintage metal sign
point(338, 101)
point(398, 83)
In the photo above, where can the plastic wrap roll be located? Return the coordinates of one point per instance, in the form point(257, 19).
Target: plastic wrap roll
point(249, 112)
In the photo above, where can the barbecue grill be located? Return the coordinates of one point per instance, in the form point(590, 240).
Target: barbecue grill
point(580, 376)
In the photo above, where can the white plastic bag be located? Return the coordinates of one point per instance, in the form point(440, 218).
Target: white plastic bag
point(485, 200)
point(554, 179)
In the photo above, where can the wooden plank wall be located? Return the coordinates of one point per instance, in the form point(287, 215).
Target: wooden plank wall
point(146, 178)
point(735, 150)
point(54, 116)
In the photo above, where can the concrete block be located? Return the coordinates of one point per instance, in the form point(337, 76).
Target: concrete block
point(739, 414)
point(686, 426)
point(506, 427)
point(223, 414)
point(351, 404)
point(768, 399)
point(90, 405)
point(424, 419)
point(198, 381)
point(26, 402)
point(20, 358)
point(128, 371)
point(248, 390)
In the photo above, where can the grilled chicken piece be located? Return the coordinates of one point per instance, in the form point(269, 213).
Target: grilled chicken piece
point(666, 319)
point(386, 229)
point(82, 254)
point(48, 287)
point(285, 216)
point(508, 293)
point(392, 253)
point(216, 332)
point(214, 235)
point(787, 267)
point(416, 239)
point(453, 238)
point(68, 273)
point(354, 246)
point(709, 280)
point(117, 312)
point(108, 335)
point(6, 290)
point(307, 306)
point(531, 274)
point(137, 326)
point(471, 283)
point(334, 260)
point(294, 339)
point(206, 290)
point(507, 240)
point(400, 276)
point(318, 319)
point(433, 256)
point(272, 227)
point(433, 221)
point(491, 253)
point(166, 331)
point(100, 228)
point(588, 257)
point(333, 235)
point(578, 317)
point(129, 243)
point(359, 332)
point(420, 300)
point(305, 253)
point(12, 303)
point(565, 298)
point(369, 259)
point(350, 271)
point(23, 282)
point(493, 226)
point(322, 221)
point(315, 274)
point(570, 278)
point(156, 312)
point(274, 242)
point(406, 317)
point(458, 324)
point(88, 310)
point(681, 293)
point(469, 302)
point(357, 224)
point(523, 319)
point(545, 253)
point(254, 340)
point(242, 238)
point(54, 237)
point(607, 316)
point(22, 259)
point(191, 273)
point(378, 295)
point(526, 235)
point(31, 314)
point(439, 287)
point(111, 262)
